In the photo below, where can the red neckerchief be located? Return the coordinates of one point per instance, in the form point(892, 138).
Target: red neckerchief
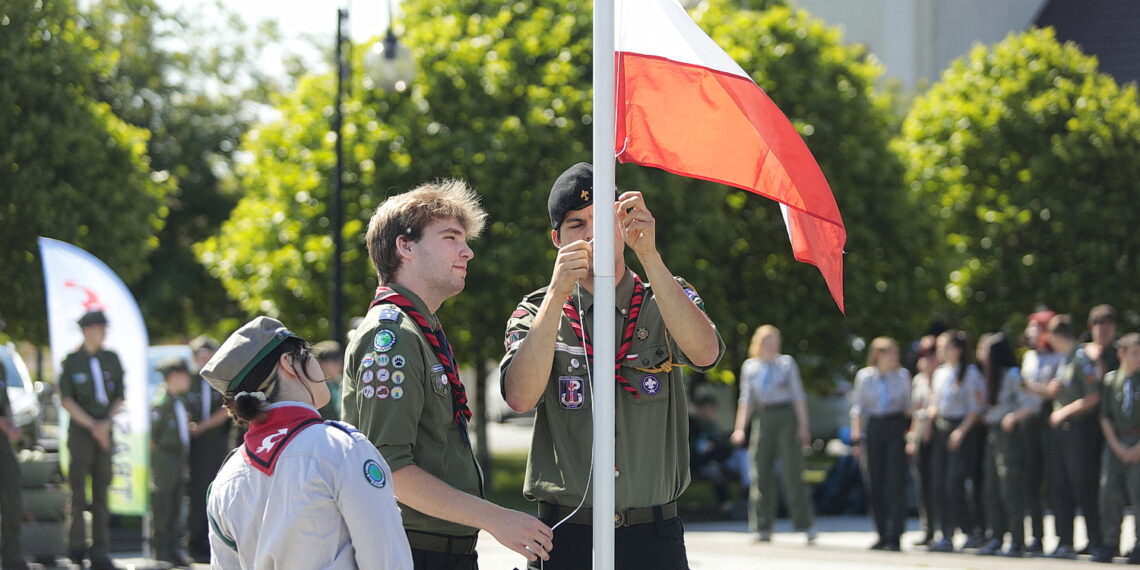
point(439, 345)
point(626, 337)
point(265, 439)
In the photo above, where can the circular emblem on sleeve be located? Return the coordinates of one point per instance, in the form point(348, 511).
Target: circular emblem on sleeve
point(367, 376)
point(397, 393)
point(398, 361)
point(375, 474)
point(382, 392)
point(381, 360)
point(367, 361)
point(650, 385)
point(384, 340)
point(368, 391)
point(398, 377)
point(382, 375)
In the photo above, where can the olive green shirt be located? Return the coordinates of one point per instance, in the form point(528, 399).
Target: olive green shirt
point(164, 434)
point(1120, 402)
point(1078, 378)
point(76, 381)
point(652, 440)
point(395, 392)
point(4, 402)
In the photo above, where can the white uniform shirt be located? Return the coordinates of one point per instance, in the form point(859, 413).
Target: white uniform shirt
point(957, 399)
point(325, 506)
point(770, 383)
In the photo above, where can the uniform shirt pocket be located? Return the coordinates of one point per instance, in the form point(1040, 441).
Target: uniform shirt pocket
point(647, 368)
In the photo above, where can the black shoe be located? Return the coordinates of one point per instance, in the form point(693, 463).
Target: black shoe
point(1035, 547)
point(943, 545)
point(103, 563)
point(879, 544)
point(990, 548)
point(1134, 556)
point(926, 541)
point(1013, 551)
point(892, 546)
point(974, 541)
point(1064, 551)
point(1103, 554)
point(76, 557)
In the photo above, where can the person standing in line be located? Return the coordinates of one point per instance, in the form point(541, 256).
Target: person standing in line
point(91, 390)
point(331, 358)
point(1076, 440)
point(919, 446)
point(959, 398)
point(1010, 404)
point(1039, 367)
point(880, 408)
point(772, 397)
point(169, 455)
point(660, 328)
point(301, 493)
point(11, 490)
point(402, 385)
point(209, 444)
point(1120, 423)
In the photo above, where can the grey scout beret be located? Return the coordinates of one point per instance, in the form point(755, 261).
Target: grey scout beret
point(243, 351)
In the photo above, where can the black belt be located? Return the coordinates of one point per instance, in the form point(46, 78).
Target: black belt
point(442, 542)
point(774, 406)
point(897, 416)
point(628, 517)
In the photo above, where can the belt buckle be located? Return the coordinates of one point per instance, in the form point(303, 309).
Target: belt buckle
point(619, 519)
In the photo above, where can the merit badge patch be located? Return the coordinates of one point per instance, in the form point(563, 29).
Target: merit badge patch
point(398, 377)
point(382, 360)
point(519, 313)
point(384, 340)
point(375, 474)
point(382, 392)
point(368, 360)
point(571, 392)
point(79, 377)
point(437, 368)
point(382, 375)
point(691, 293)
point(397, 393)
point(368, 391)
point(398, 361)
point(389, 313)
point(574, 363)
point(367, 376)
point(650, 385)
point(642, 333)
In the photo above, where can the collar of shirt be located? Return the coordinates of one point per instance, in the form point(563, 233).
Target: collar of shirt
point(287, 403)
point(623, 292)
point(419, 304)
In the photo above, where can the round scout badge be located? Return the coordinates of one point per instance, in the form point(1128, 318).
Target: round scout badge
point(398, 361)
point(382, 360)
point(382, 392)
point(382, 375)
point(368, 391)
point(367, 376)
point(374, 474)
point(367, 361)
point(650, 385)
point(384, 340)
point(398, 377)
point(397, 393)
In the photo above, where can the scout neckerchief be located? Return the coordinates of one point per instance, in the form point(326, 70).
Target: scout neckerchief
point(265, 439)
point(626, 337)
point(439, 345)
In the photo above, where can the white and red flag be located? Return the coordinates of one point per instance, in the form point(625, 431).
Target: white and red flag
point(684, 106)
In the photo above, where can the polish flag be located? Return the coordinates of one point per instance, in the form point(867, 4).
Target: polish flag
point(683, 105)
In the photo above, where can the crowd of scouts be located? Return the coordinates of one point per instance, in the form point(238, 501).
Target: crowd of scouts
point(995, 441)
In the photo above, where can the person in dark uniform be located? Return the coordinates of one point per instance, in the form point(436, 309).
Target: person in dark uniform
point(169, 454)
point(91, 390)
point(331, 358)
point(209, 444)
point(402, 386)
point(919, 443)
point(1038, 368)
point(1120, 424)
point(11, 487)
point(880, 406)
point(1075, 459)
point(548, 341)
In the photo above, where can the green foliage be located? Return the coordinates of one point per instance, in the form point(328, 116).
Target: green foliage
point(502, 99)
point(1027, 158)
point(71, 169)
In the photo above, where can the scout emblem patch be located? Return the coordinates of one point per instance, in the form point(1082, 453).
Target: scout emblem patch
point(650, 385)
point(397, 393)
point(389, 313)
point(570, 392)
point(79, 377)
point(374, 474)
point(382, 392)
point(384, 340)
point(519, 313)
point(398, 361)
point(368, 360)
point(642, 333)
point(382, 360)
point(382, 375)
point(398, 377)
point(368, 391)
point(367, 376)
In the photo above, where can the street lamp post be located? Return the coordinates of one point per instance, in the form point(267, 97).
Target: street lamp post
point(389, 66)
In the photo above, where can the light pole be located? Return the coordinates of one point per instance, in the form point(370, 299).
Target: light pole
point(389, 66)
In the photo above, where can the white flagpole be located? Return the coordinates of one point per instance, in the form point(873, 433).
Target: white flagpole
point(604, 341)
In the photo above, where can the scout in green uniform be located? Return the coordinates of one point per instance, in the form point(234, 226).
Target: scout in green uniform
point(1076, 440)
point(11, 500)
point(331, 358)
point(91, 390)
point(169, 454)
point(401, 386)
point(1120, 423)
point(660, 328)
point(209, 444)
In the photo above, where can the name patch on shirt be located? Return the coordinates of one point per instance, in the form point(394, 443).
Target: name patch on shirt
point(374, 474)
point(571, 392)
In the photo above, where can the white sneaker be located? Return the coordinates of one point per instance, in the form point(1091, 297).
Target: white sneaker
point(811, 535)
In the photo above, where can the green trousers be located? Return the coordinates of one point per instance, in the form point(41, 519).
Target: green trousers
point(1119, 486)
point(11, 504)
point(774, 439)
point(1005, 490)
point(88, 460)
point(167, 487)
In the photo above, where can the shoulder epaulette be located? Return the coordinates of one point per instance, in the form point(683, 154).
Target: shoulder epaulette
point(535, 296)
point(389, 313)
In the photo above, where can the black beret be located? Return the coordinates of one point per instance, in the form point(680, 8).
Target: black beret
point(92, 318)
point(573, 190)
